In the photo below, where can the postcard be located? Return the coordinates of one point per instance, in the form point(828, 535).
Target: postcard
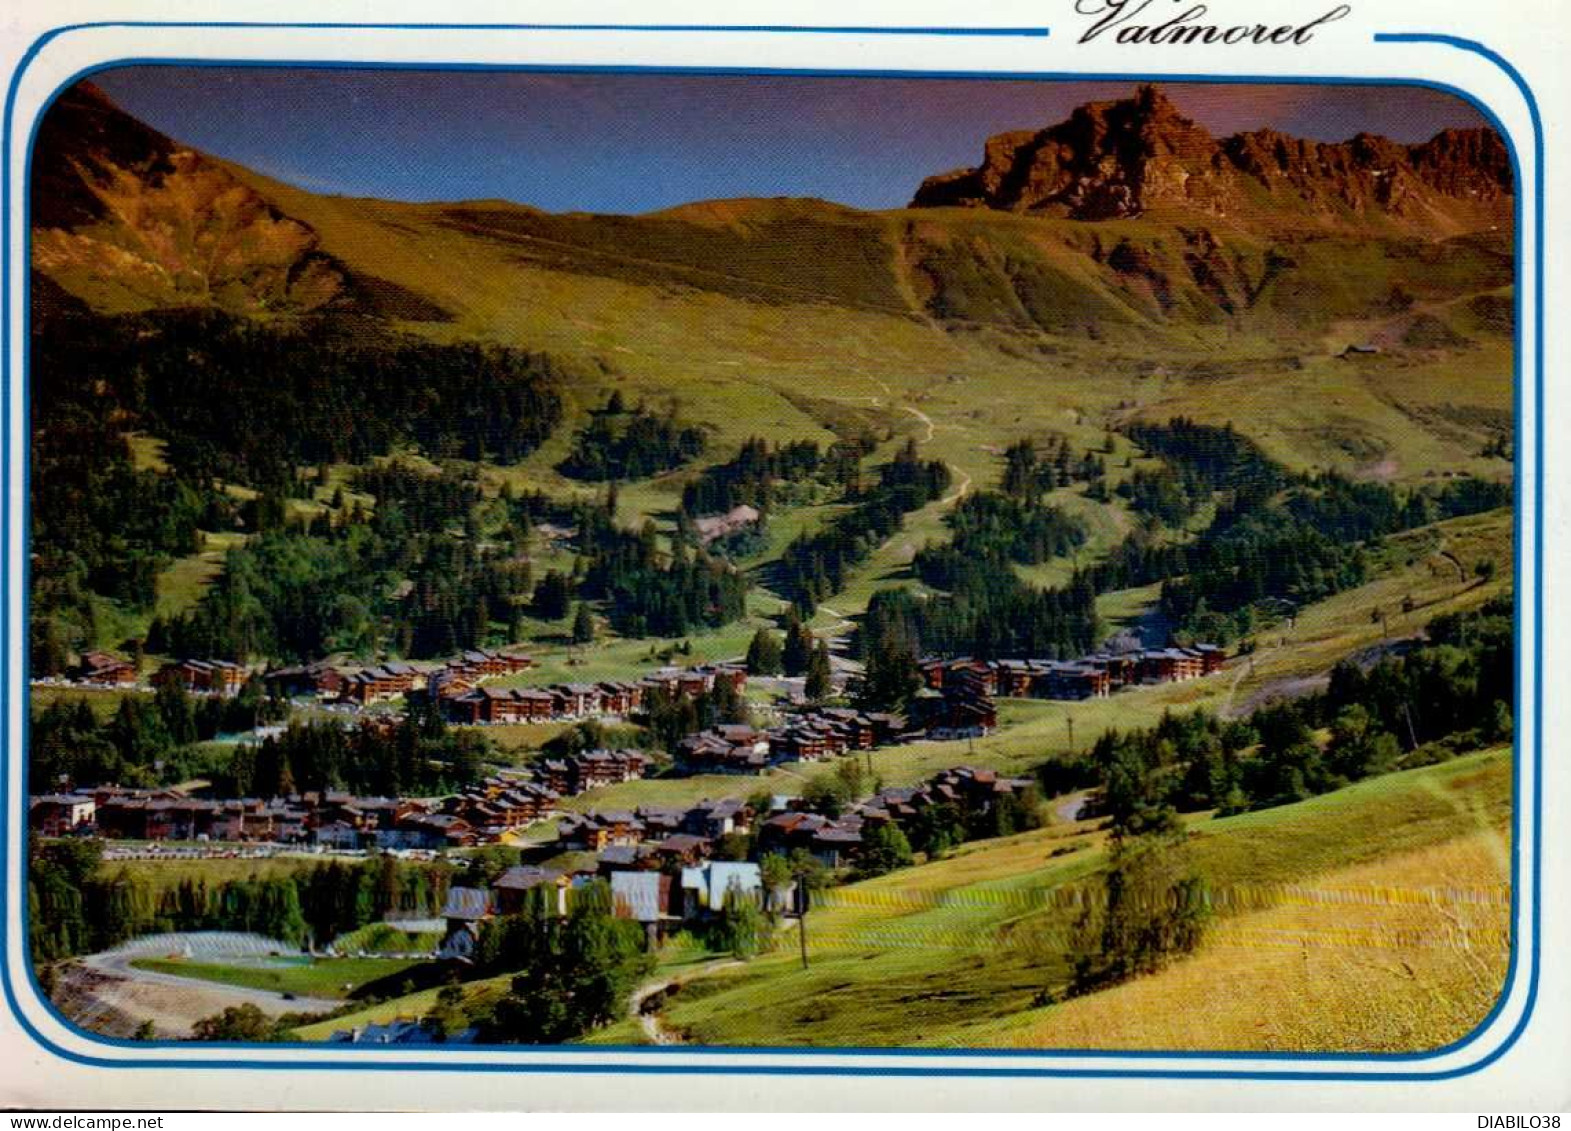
point(971, 558)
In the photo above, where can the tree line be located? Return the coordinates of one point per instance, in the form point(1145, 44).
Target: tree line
point(232, 401)
point(1449, 693)
point(248, 401)
point(766, 477)
point(650, 592)
point(571, 974)
point(1275, 537)
point(618, 443)
point(420, 755)
point(147, 742)
point(76, 906)
point(815, 566)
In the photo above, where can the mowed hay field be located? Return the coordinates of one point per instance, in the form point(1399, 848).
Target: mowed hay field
point(1405, 953)
point(956, 953)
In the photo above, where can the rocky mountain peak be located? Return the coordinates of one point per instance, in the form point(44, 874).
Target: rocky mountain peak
point(1120, 159)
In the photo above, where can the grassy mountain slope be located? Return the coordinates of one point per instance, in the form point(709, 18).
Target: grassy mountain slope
point(936, 954)
point(769, 316)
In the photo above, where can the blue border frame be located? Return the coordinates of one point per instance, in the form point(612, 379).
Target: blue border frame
point(1519, 391)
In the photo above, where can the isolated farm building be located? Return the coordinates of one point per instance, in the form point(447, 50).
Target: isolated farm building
point(106, 670)
point(60, 814)
point(715, 526)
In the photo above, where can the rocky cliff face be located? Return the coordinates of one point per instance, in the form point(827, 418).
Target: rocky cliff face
point(1121, 159)
point(125, 218)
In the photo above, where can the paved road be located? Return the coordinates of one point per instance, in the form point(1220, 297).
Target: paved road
point(124, 983)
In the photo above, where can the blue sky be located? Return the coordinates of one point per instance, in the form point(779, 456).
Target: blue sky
point(639, 142)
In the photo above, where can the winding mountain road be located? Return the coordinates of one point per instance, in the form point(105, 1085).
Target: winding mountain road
point(107, 986)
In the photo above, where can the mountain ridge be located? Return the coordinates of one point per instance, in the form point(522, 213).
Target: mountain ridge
point(1121, 159)
point(1193, 232)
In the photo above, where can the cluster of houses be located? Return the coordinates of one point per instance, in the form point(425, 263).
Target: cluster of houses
point(330, 819)
point(511, 800)
point(694, 830)
point(1089, 677)
point(488, 705)
point(102, 669)
point(655, 838)
point(204, 677)
point(837, 841)
point(199, 677)
point(456, 686)
point(322, 679)
point(662, 901)
point(482, 814)
point(816, 734)
point(327, 819)
point(394, 679)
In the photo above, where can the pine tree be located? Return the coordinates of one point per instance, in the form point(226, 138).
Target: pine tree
point(818, 684)
point(798, 648)
point(764, 654)
point(583, 625)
